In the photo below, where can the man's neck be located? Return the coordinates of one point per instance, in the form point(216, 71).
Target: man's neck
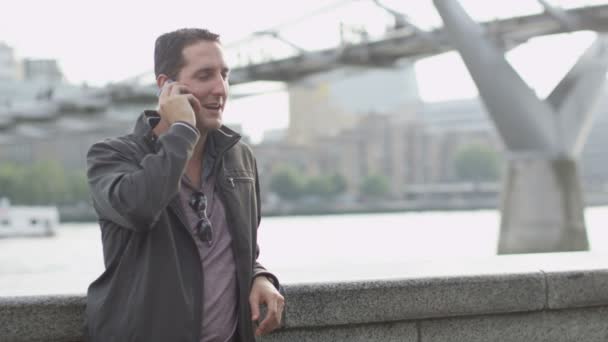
point(199, 148)
point(194, 168)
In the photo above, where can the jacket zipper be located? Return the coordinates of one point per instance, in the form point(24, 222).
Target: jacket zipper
point(247, 326)
point(228, 210)
point(219, 160)
point(221, 192)
point(238, 179)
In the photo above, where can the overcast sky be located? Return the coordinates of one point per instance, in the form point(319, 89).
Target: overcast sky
point(111, 40)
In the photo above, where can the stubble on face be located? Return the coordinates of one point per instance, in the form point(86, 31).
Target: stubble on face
point(205, 73)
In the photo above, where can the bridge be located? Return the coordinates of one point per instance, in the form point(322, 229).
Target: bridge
point(408, 41)
point(403, 40)
point(543, 138)
point(542, 297)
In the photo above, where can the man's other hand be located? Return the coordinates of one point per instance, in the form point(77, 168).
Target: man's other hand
point(264, 292)
point(176, 104)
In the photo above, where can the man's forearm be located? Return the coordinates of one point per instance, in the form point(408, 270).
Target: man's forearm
point(133, 194)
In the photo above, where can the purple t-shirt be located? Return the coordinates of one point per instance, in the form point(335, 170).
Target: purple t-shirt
point(219, 320)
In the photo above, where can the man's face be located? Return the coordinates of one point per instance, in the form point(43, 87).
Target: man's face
point(205, 73)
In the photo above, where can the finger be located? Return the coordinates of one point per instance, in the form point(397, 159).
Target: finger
point(280, 309)
point(178, 89)
point(195, 103)
point(165, 90)
point(280, 306)
point(272, 320)
point(268, 324)
point(255, 308)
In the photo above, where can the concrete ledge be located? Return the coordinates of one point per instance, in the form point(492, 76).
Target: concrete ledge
point(386, 332)
point(582, 288)
point(547, 297)
point(408, 299)
point(589, 324)
point(57, 318)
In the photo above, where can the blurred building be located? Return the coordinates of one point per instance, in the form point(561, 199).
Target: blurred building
point(361, 122)
point(351, 122)
point(67, 140)
point(24, 82)
point(273, 155)
point(451, 126)
point(460, 122)
point(9, 66)
point(377, 145)
point(274, 136)
point(326, 104)
point(413, 148)
point(42, 70)
point(34, 70)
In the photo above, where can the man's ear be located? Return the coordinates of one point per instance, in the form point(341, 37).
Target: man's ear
point(161, 80)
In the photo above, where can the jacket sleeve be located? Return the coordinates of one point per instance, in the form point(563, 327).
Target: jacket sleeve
point(133, 193)
point(258, 269)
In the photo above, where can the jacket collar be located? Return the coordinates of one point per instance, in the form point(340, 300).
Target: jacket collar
point(221, 139)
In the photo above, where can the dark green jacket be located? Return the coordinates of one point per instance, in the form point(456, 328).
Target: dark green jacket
point(151, 288)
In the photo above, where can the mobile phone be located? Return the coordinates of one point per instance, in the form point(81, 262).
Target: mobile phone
point(168, 81)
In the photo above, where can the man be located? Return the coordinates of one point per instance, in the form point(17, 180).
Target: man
point(178, 204)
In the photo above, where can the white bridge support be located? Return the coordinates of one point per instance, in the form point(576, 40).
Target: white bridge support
point(542, 206)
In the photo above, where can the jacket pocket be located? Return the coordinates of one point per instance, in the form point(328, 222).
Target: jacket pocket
point(234, 180)
point(239, 188)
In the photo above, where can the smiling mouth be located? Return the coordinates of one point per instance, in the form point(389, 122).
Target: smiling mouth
point(213, 106)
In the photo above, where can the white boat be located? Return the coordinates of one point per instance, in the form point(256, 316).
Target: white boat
point(25, 221)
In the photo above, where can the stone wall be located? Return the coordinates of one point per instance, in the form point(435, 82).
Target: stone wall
point(557, 297)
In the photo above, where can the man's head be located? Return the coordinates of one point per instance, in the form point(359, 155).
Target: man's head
point(194, 58)
point(168, 58)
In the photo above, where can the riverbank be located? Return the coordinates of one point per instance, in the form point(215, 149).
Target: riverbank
point(83, 213)
point(87, 214)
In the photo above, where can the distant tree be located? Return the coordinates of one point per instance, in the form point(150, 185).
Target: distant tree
point(77, 187)
point(11, 178)
point(374, 186)
point(45, 182)
point(326, 187)
point(287, 183)
point(477, 163)
point(318, 186)
point(339, 183)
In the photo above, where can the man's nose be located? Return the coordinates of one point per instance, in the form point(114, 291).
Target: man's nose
point(220, 86)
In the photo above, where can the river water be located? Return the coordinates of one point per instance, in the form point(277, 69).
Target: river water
point(297, 248)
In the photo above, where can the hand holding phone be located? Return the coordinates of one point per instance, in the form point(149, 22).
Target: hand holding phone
point(175, 103)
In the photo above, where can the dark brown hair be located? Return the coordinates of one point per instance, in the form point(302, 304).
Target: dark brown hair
point(168, 57)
